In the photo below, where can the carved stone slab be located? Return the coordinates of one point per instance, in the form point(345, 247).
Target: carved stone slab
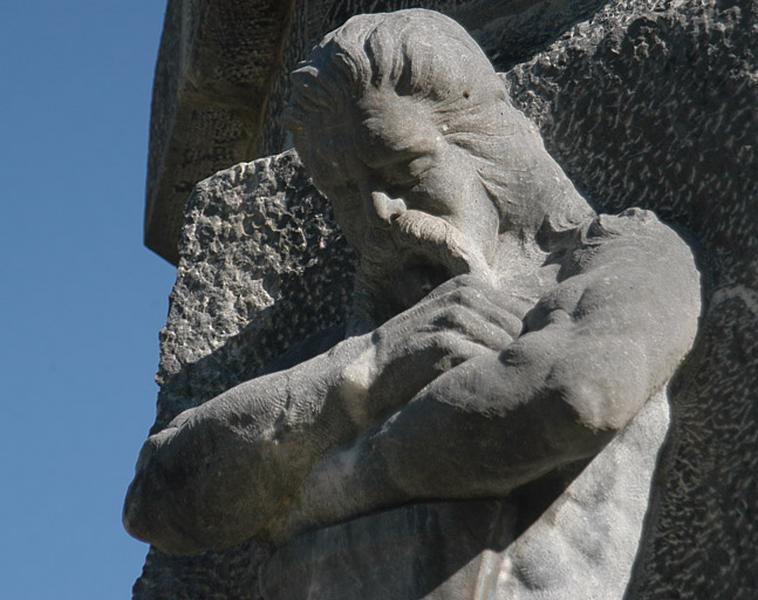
point(212, 75)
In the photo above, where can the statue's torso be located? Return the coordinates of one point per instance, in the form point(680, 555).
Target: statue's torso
point(583, 546)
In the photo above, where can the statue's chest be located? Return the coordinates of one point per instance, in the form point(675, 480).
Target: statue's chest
point(524, 279)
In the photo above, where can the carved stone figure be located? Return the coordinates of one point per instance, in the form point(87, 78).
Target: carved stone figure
point(501, 333)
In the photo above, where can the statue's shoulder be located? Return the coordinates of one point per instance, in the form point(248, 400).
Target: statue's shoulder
point(624, 264)
point(633, 225)
point(635, 239)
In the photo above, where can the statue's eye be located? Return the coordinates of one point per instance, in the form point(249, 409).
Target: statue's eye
point(405, 173)
point(398, 176)
point(420, 165)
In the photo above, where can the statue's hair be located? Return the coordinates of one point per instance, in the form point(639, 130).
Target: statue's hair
point(431, 58)
point(408, 51)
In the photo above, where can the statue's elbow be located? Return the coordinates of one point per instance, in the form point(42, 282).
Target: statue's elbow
point(150, 512)
point(138, 510)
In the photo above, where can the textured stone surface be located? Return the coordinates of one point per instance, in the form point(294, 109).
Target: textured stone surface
point(211, 79)
point(585, 543)
point(511, 32)
point(653, 104)
point(253, 278)
point(582, 547)
point(432, 551)
point(672, 140)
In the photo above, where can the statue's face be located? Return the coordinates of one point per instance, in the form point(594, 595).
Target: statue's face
point(409, 202)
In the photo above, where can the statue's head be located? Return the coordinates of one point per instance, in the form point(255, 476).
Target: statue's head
point(405, 126)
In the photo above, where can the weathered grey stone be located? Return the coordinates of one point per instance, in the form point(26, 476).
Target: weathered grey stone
point(654, 63)
point(582, 547)
point(653, 104)
point(187, 511)
point(432, 550)
point(214, 69)
point(262, 267)
point(509, 31)
point(253, 278)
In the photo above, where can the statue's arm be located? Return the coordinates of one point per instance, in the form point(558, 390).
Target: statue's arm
point(228, 470)
point(202, 482)
point(594, 350)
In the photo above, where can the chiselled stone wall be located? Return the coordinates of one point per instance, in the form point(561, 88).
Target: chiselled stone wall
point(653, 104)
point(649, 103)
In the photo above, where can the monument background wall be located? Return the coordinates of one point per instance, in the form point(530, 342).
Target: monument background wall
point(652, 104)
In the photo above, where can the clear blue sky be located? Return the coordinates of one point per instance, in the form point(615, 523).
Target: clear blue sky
point(81, 300)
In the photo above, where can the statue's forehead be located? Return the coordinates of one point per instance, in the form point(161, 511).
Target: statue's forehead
point(389, 124)
point(379, 129)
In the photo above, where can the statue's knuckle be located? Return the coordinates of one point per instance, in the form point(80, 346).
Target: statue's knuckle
point(465, 280)
point(455, 316)
point(473, 298)
point(444, 340)
point(455, 296)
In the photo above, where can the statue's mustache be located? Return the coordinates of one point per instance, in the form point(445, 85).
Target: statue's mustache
point(420, 231)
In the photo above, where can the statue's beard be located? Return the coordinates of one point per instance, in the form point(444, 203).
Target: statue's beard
point(404, 262)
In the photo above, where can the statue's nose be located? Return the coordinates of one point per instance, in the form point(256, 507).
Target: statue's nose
point(385, 208)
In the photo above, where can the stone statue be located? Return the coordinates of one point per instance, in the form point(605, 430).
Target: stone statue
point(501, 333)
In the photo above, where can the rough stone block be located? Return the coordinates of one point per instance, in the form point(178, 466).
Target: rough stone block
point(652, 104)
point(211, 81)
point(262, 267)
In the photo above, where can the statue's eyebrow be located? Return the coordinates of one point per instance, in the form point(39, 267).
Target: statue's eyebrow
point(392, 157)
point(380, 156)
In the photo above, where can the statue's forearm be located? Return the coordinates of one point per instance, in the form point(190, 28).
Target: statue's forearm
point(229, 469)
point(596, 348)
point(247, 447)
point(480, 430)
point(245, 453)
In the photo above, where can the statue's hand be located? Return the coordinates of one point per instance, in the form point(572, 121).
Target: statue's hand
point(463, 318)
